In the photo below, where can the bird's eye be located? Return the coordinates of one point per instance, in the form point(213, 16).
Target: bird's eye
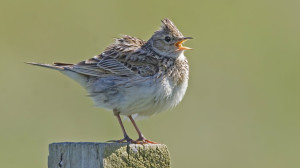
point(167, 38)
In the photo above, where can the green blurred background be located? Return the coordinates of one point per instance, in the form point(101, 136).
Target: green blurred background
point(241, 108)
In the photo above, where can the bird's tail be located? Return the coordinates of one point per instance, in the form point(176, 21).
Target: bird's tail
point(57, 66)
point(65, 69)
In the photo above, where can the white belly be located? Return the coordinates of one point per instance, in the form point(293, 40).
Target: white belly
point(142, 98)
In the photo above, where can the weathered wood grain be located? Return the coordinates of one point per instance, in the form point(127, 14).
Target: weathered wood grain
point(107, 155)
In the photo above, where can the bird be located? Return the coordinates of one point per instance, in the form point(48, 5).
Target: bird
point(135, 78)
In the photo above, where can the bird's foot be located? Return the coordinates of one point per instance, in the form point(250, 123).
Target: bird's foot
point(143, 140)
point(125, 139)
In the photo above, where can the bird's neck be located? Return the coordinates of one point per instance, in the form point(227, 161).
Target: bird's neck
point(176, 69)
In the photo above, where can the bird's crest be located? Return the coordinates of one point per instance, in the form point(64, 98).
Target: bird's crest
point(168, 26)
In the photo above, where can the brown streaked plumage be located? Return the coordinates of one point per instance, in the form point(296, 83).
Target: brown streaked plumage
point(133, 77)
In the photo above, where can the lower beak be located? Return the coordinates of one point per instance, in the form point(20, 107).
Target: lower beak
point(180, 42)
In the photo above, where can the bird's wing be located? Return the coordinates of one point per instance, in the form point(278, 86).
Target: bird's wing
point(123, 58)
point(129, 65)
point(86, 69)
point(99, 67)
point(115, 66)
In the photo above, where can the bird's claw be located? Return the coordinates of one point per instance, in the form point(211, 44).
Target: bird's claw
point(144, 141)
point(125, 139)
point(129, 140)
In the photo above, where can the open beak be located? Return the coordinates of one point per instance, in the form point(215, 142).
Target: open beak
point(179, 44)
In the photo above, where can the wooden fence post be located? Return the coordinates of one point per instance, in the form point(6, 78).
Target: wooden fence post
point(107, 155)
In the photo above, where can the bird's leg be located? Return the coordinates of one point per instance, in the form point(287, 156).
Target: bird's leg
point(126, 137)
point(141, 139)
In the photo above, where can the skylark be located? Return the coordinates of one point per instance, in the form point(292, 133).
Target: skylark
point(135, 78)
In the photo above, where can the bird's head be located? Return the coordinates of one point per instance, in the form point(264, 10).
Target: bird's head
point(167, 41)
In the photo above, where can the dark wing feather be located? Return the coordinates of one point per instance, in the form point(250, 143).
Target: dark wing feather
point(89, 70)
point(115, 67)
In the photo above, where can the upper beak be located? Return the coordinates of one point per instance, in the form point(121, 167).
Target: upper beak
point(179, 44)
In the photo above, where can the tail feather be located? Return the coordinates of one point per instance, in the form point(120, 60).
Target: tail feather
point(65, 69)
point(47, 65)
point(62, 64)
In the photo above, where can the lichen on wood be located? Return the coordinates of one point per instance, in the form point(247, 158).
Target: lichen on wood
point(107, 155)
